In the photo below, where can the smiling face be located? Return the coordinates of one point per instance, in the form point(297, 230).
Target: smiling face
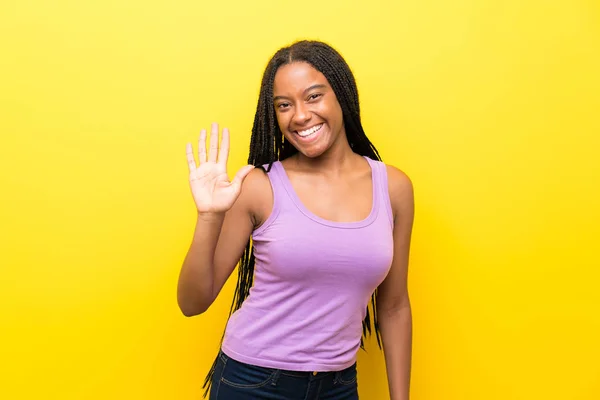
point(308, 112)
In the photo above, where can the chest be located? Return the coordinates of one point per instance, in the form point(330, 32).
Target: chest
point(324, 254)
point(347, 200)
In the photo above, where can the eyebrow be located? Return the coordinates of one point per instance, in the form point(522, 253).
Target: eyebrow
point(308, 89)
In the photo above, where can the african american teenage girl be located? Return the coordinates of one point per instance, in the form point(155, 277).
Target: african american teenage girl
point(320, 227)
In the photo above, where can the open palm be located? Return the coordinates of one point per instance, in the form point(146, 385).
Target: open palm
point(212, 190)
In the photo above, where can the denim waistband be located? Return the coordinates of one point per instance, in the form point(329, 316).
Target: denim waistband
point(302, 374)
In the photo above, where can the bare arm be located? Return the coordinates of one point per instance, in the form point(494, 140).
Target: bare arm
point(224, 224)
point(393, 304)
point(217, 245)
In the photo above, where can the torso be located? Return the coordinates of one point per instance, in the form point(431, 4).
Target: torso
point(322, 245)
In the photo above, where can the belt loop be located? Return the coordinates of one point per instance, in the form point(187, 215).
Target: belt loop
point(338, 375)
point(275, 377)
point(223, 357)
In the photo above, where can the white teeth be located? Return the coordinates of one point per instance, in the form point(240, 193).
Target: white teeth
point(310, 131)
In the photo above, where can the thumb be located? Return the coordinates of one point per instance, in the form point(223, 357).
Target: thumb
point(241, 175)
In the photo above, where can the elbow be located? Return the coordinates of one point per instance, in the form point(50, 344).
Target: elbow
point(191, 310)
point(191, 307)
point(190, 313)
point(395, 307)
point(193, 300)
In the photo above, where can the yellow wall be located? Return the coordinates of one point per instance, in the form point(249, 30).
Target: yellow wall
point(490, 106)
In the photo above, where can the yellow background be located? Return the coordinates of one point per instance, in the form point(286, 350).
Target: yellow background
point(492, 108)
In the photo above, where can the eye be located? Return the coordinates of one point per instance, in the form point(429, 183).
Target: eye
point(283, 106)
point(314, 96)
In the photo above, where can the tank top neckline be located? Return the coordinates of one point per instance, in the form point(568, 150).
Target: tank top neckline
point(287, 184)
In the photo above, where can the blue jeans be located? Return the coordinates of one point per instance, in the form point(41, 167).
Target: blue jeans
point(233, 380)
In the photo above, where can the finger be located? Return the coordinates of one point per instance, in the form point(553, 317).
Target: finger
point(224, 148)
point(241, 175)
point(190, 157)
point(202, 146)
point(214, 142)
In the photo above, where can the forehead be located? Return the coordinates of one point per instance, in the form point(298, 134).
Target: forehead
point(296, 77)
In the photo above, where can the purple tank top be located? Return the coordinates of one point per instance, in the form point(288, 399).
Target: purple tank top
point(312, 283)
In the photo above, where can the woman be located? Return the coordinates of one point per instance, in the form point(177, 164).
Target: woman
point(330, 228)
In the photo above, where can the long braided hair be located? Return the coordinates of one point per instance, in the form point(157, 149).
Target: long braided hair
point(268, 145)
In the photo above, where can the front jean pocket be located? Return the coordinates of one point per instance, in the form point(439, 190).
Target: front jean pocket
point(348, 376)
point(245, 376)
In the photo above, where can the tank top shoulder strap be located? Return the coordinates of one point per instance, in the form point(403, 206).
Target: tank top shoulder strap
point(381, 191)
point(277, 180)
point(277, 187)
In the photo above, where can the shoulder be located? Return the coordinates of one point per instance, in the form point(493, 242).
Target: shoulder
point(398, 181)
point(401, 191)
point(256, 181)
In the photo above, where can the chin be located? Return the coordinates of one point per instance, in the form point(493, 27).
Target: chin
point(312, 154)
point(309, 151)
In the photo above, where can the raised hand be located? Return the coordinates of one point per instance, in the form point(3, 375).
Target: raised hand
point(212, 191)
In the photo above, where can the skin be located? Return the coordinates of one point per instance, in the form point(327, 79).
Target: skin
point(228, 211)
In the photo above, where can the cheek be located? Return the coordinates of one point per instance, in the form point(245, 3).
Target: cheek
point(338, 111)
point(332, 110)
point(282, 121)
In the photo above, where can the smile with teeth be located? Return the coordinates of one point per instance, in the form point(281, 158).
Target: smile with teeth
point(310, 131)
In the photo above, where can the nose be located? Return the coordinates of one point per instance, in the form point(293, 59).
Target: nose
point(301, 115)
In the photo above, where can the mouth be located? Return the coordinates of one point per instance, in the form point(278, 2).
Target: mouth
point(310, 132)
